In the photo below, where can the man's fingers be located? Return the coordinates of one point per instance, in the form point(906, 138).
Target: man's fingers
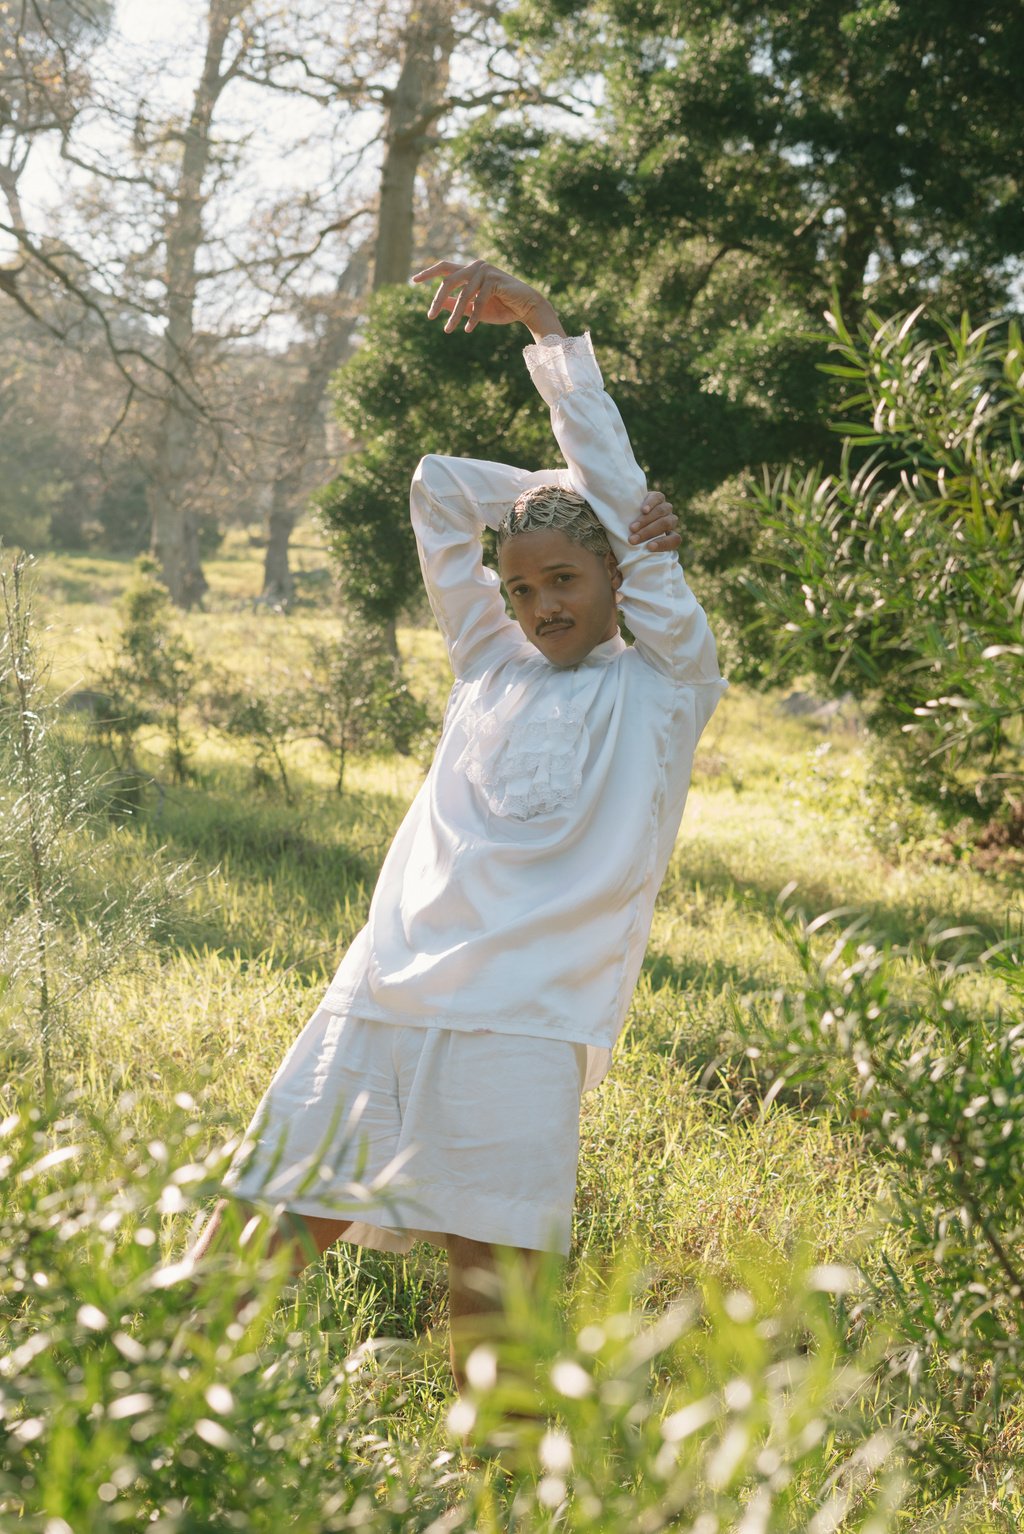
point(452, 277)
point(643, 532)
point(438, 269)
point(470, 289)
point(653, 507)
point(662, 543)
point(656, 528)
point(479, 303)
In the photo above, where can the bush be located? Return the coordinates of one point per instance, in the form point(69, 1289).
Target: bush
point(939, 1097)
point(899, 578)
point(151, 676)
point(355, 697)
point(130, 1396)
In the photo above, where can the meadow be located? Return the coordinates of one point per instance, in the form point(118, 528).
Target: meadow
point(701, 1170)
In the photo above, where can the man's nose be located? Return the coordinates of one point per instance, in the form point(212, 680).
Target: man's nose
point(548, 603)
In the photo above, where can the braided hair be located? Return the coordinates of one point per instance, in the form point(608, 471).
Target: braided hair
point(549, 506)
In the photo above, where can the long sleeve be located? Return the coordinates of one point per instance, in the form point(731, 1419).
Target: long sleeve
point(452, 500)
point(664, 616)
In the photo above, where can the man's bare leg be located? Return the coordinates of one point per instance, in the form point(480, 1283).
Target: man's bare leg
point(475, 1304)
point(289, 1231)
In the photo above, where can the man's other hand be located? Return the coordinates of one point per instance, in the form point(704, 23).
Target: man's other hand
point(655, 524)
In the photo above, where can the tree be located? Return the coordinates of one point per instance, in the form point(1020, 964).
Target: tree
point(740, 164)
point(152, 229)
point(847, 146)
point(45, 85)
point(175, 534)
point(412, 103)
point(387, 395)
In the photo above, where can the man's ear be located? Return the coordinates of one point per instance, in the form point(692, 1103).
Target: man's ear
point(613, 570)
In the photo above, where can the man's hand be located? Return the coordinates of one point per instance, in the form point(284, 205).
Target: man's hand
point(482, 294)
point(655, 524)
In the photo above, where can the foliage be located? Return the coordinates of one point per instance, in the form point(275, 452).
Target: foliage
point(129, 1391)
point(151, 676)
point(681, 1152)
point(131, 1394)
point(763, 1426)
point(352, 698)
point(356, 699)
point(940, 1097)
point(56, 866)
point(899, 576)
point(265, 718)
point(740, 163)
point(812, 138)
point(410, 390)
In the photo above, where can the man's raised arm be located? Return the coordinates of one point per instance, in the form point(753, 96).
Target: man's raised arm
point(665, 618)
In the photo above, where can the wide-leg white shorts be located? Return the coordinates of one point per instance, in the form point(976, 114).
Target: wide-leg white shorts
point(417, 1133)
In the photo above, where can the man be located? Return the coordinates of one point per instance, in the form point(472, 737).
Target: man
point(509, 923)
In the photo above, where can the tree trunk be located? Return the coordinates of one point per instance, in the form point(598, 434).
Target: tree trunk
point(175, 540)
point(856, 248)
point(303, 417)
point(278, 585)
point(414, 105)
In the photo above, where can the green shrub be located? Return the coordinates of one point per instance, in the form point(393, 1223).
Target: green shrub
point(130, 1395)
point(940, 1100)
point(900, 577)
point(355, 698)
point(151, 676)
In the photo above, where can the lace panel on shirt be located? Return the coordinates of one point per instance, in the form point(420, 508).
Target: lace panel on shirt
point(526, 766)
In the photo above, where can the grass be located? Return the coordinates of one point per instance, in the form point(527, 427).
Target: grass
point(680, 1161)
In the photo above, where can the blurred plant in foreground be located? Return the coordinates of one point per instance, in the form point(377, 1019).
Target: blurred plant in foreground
point(133, 1395)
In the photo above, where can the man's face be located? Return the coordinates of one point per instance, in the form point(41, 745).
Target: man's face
point(562, 594)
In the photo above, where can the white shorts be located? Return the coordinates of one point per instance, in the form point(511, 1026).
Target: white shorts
point(418, 1133)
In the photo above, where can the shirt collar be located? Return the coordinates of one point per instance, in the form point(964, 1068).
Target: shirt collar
point(604, 652)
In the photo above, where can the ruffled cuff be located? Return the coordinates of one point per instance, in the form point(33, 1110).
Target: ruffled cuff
point(560, 364)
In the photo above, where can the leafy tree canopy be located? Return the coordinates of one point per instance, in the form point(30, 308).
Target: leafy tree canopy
point(745, 163)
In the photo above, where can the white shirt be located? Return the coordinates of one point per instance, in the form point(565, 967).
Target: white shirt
point(519, 890)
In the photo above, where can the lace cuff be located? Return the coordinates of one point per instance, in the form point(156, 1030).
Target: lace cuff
point(560, 364)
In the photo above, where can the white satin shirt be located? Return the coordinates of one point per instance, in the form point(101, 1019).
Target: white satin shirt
point(518, 893)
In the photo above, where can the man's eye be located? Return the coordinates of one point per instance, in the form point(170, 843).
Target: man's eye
point(564, 577)
point(518, 591)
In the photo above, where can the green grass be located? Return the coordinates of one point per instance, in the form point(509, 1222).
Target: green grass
point(679, 1161)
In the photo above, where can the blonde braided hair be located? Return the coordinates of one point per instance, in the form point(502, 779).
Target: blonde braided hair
point(549, 506)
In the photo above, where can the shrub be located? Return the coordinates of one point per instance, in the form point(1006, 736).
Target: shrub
point(151, 677)
point(355, 697)
point(130, 1396)
point(939, 1096)
point(900, 577)
point(265, 718)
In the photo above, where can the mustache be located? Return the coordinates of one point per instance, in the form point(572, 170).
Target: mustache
point(545, 628)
